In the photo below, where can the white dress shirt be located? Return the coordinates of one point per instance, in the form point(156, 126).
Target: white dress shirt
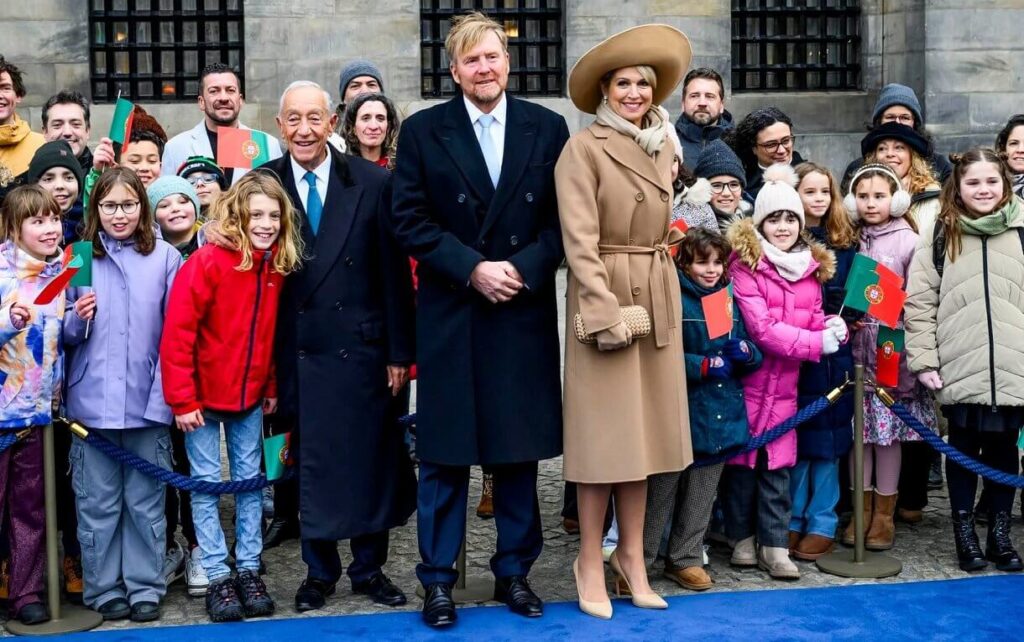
point(322, 172)
point(497, 130)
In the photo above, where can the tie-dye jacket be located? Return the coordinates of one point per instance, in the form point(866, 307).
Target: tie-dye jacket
point(31, 359)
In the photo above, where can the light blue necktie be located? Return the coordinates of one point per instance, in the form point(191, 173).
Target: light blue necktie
point(314, 206)
point(487, 147)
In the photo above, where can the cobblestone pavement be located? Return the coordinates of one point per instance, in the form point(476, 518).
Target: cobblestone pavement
point(926, 550)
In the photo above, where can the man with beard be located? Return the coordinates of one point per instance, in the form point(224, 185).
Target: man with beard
point(66, 117)
point(220, 100)
point(704, 116)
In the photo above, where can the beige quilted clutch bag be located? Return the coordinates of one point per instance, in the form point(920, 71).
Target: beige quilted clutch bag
point(634, 316)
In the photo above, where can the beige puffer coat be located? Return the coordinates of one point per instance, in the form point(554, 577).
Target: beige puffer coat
point(970, 327)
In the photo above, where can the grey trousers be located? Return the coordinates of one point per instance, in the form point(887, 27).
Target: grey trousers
point(121, 522)
point(756, 501)
point(685, 498)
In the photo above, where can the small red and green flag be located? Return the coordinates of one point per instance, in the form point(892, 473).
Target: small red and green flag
point(82, 251)
point(242, 148)
point(876, 290)
point(890, 347)
point(121, 125)
point(717, 308)
point(70, 265)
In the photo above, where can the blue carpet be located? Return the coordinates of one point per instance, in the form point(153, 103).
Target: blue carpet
point(970, 609)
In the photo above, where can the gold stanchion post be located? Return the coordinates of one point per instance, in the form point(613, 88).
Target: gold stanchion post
point(859, 562)
point(63, 618)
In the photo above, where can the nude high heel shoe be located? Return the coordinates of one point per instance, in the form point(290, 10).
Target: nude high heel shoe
point(646, 601)
point(602, 609)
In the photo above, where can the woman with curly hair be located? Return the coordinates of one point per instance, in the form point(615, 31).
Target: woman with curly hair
point(763, 138)
point(370, 129)
point(1010, 145)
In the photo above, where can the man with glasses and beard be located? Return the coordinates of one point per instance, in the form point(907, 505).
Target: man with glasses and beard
point(220, 100)
point(704, 118)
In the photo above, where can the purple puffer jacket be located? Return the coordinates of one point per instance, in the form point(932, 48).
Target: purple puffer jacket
point(114, 375)
point(785, 319)
point(892, 244)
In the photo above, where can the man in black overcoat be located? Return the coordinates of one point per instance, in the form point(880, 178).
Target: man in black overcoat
point(474, 204)
point(344, 344)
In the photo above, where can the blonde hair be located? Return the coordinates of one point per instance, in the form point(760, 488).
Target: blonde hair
point(839, 231)
point(23, 203)
point(920, 173)
point(468, 30)
point(646, 72)
point(231, 211)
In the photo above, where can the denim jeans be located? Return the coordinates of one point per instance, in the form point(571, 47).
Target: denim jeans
point(244, 453)
point(814, 485)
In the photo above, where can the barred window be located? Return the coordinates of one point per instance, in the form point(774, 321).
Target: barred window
point(536, 44)
point(796, 45)
point(154, 49)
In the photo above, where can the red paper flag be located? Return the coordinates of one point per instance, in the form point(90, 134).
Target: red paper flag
point(890, 347)
point(680, 225)
point(885, 273)
point(718, 312)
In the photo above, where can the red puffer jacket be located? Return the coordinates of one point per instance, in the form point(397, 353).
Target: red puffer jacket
point(216, 352)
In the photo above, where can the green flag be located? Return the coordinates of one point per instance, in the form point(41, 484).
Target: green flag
point(82, 251)
point(121, 125)
point(276, 455)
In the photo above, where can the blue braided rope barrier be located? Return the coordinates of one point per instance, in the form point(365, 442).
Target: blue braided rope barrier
point(952, 453)
point(7, 439)
point(806, 413)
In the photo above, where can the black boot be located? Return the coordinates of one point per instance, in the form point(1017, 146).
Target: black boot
point(998, 546)
point(968, 548)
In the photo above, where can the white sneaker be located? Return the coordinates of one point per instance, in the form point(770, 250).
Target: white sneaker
point(173, 563)
point(775, 560)
point(195, 575)
point(744, 553)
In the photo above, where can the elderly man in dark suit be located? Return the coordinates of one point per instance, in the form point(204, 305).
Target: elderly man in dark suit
point(344, 344)
point(474, 203)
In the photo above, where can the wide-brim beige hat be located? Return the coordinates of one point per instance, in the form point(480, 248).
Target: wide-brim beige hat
point(662, 47)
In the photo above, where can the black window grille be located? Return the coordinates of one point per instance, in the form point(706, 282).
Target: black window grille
point(796, 45)
point(153, 50)
point(536, 44)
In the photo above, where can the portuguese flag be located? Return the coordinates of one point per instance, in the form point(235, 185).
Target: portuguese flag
point(875, 289)
point(890, 347)
point(121, 125)
point(241, 148)
point(717, 308)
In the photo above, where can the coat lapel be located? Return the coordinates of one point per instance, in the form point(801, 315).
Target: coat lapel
point(458, 138)
point(628, 154)
point(520, 136)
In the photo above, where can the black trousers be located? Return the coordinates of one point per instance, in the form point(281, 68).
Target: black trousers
point(178, 507)
point(369, 554)
point(996, 449)
point(913, 484)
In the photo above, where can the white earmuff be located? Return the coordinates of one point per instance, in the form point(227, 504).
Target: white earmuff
point(901, 199)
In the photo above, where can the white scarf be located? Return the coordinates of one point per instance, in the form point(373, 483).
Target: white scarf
point(791, 265)
point(651, 139)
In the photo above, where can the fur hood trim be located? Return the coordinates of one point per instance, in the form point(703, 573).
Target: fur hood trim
point(747, 247)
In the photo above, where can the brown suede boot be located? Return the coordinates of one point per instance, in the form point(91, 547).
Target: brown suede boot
point(486, 508)
point(812, 546)
point(882, 533)
point(848, 534)
point(794, 539)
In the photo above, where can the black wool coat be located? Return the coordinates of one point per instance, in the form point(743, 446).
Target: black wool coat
point(488, 387)
point(343, 318)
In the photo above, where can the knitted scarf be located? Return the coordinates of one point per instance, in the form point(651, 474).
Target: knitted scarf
point(791, 265)
point(994, 223)
point(651, 139)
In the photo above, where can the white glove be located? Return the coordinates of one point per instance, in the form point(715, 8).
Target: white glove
point(839, 326)
point(829, 341)
point(930, 379)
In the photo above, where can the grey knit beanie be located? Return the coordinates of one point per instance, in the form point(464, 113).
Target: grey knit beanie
point(896, 94)
point(355, 69)
point(718, 159)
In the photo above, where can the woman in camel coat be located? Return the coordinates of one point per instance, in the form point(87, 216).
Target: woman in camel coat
point(624, 397)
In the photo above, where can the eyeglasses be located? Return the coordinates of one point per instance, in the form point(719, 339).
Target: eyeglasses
point(110, 208)
point(201, 179)
point(732, 186)
point(903, 119)
point(773, 145)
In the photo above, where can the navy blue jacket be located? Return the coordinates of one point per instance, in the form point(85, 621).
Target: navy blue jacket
point(695, 137)
point(830, 434)
point(718, 416)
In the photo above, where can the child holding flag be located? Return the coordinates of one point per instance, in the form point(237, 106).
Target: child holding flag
point(823, 440)
point(965, 336)
point(717, 354)
point(31, 361)
point(777, 275)
point(888, 235)
point(114, 389)
point(214, 373)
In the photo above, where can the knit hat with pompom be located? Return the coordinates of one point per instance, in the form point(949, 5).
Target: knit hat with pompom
point(778, 194)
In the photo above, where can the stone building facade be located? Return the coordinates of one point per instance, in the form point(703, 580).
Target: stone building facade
point(959, 56)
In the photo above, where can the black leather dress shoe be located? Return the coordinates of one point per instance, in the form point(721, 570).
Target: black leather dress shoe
point(145, 612)
point(312, 594)
point(516, 592)
point(279, 531)
point(381, 590)
point(438, 605)
point(115, 609)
